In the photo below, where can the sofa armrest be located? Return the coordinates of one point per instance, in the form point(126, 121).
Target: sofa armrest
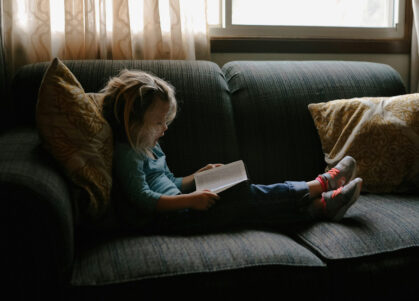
point(36, 208)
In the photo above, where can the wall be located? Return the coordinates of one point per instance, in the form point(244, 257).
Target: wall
point(400, 62)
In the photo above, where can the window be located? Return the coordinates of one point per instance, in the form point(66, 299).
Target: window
point(286, 21)
point(333, 13)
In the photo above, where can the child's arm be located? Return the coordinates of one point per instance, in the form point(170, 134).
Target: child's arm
point(188, 182)
point(198, 200)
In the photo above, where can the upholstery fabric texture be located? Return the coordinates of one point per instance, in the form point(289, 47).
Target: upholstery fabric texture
point(254, 111)
point(375, 224)
point(381, 133)
point(203, 113)
point(27, 171)
point(270, 108)
point(74, 131)
point(132, 257)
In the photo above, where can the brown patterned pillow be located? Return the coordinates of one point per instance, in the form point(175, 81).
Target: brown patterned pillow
point(381, 133)
point(73, 130)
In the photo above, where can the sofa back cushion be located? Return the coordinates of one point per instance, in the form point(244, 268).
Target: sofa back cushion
point(203, 130)
point(276, 134)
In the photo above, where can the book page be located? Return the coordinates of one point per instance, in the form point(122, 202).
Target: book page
point(221, 178)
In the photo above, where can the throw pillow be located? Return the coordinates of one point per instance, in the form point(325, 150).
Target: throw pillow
point(73, 130)
point(381, 133)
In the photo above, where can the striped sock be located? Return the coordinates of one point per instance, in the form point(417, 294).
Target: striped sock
point(322, 183)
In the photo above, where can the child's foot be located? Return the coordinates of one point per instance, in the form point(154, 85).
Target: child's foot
point(335, 203)
point(339, 175)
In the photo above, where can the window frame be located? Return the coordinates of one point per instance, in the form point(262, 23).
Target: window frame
point(399, 43)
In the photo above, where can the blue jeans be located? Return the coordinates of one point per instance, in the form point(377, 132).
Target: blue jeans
point(245, 204)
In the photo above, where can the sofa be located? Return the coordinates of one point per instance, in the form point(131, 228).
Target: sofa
point(256, 111)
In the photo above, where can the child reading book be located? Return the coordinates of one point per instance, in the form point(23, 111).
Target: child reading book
point(139, 107)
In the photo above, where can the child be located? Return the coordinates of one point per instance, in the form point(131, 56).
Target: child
point(139, 107)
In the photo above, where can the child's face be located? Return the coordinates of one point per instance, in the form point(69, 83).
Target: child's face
point(155, 120)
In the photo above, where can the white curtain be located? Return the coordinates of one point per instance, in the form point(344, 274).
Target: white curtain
point(38, 30)
point(414, 71)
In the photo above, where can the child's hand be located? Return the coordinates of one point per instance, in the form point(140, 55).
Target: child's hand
point(202, 200)
point(188, 182)
point(210, 166)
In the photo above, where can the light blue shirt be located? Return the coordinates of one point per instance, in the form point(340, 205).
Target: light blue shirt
point(144, 180)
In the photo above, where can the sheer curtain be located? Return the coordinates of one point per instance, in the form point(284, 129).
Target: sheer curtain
point(414, 68)
point(4, 82)
point(38, 30)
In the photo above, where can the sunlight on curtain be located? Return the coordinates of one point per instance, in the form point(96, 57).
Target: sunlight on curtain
point(57, 26)
point(38, 30)
point(22, 21)
point(27, 35)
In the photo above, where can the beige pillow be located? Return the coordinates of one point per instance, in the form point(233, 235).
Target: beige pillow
point(381, 133)
point(73, 130)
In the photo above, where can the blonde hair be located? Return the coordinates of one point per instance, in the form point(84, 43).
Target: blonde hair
point(126, 99)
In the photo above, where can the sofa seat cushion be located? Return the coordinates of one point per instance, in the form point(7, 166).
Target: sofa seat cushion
point(131, 258)
point(375, 224)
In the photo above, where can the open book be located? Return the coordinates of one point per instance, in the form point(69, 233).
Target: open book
point(221, 178)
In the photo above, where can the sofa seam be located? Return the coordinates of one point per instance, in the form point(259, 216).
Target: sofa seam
point(322, 255)
point(201, 271)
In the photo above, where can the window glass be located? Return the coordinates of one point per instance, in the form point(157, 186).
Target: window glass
point(338, 13)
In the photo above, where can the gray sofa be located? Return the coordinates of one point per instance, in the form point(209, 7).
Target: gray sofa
point(255, 111)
